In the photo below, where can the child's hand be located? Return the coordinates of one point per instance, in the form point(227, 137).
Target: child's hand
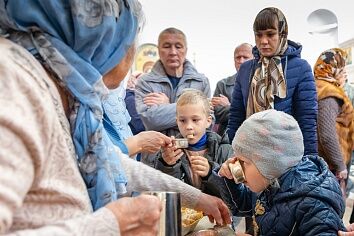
point(200, 165)
point(224, 170)
point(170, 153)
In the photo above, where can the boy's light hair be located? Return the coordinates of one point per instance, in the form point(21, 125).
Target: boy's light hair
point(193, 96)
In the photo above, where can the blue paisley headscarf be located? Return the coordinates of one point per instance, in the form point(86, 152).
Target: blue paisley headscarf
point(78, 41)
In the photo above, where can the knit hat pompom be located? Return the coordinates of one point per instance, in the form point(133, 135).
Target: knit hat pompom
point(272, 140)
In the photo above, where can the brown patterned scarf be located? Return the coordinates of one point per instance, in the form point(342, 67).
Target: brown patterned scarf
point(268, 80)
point(329, 64)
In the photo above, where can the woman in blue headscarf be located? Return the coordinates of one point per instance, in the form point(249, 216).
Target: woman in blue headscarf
point(77, 47)
point(53, 125)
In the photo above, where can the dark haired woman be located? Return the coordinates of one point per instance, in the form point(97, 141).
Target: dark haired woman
point(277, 78)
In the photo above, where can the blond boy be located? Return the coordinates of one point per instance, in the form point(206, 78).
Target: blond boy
point(206, 150)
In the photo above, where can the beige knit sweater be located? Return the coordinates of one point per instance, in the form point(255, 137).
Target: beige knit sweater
point(41, 190)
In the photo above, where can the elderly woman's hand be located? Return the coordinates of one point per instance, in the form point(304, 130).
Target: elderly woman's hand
point(214, 208)
point(138, 215)
point(147, 142)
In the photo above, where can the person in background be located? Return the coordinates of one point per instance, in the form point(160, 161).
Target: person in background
point(335, 114)
point(222, 100)
point(115, 110)
point(52, 137)
point(206, 149)
point(223, 92)
point(157, 92)
point(296, 194)
point(136, 125)
point(349, 90)
point(276, 78)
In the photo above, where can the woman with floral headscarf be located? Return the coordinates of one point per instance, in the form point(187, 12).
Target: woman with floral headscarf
point(335, 113)
point(59, 58)
point(277, 78)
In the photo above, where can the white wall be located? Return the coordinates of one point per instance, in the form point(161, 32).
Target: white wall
point(213, 29)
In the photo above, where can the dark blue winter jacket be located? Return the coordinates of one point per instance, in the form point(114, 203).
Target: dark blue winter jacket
point(308, 202)
point(300, 101)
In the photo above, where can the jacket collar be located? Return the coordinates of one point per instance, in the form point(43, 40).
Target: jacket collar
point(158, 73)
point(230, 81)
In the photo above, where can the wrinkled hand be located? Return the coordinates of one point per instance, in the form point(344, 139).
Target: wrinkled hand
point(200, 165)
point(170, 153)
point(138, 215)
point(151, 141)
point(224, 169)
point(156, 99)
point(341, 175)
point(350, 229)
point(220, 101)
point(214, 208)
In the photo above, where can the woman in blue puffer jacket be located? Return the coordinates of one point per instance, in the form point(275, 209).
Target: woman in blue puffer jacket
point(277, 78)
point(296, 194)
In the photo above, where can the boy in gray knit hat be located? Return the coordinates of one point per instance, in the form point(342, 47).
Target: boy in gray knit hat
point(272, 140)
point(296, 194)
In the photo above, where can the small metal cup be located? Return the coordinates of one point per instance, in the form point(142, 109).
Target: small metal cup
point(181, 142)
point(237, 172)
point(170, 219)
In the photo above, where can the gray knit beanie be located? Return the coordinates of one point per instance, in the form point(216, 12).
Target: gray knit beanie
point(272, 140)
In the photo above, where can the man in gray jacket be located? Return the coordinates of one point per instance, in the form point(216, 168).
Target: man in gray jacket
point(157, 92)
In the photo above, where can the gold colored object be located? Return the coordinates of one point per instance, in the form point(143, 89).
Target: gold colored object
point(181, 142)
point(189, 216)
point(237, 172)
point(259, 209)
point(190, 219)
point(255, 226)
